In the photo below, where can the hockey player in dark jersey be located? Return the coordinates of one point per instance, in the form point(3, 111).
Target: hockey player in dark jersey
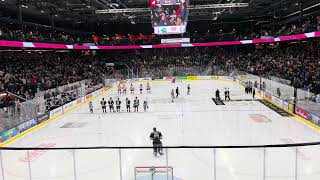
point(177, 92)
point(118, 104)
point(128, 105)
point(136, 105)
point(156, 137)
point(103, 105)
point(111, 105)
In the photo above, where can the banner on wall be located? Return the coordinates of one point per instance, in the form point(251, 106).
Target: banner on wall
point(215, 77)
point(192, 77)
point(8, 134)
point(26, 125)
point(182, 77)
point(286, 106)
point(43, 117)
point(69, 105)
point(88, 96)
point(56, 112)
point(314, 119)
point(168, 78)
point(204, 77)
point(302, 113)
point(80, 100)
point(277, 101)
point(268, 96)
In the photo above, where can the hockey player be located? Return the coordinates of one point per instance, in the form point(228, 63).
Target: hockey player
point(128, 105)
point(103, 105)
point(156, 137)
point(253, 93)
point(177, 92)
point(111, 105)
point(148, 88)
point(91, 107)
point(132, 89)
point(218, 94)
point(145, 105)
point(136, 105)
point(227, 94)
point(172, 95)
point(141, 88)
point(118, 104)
point(124, 89)
point(189, 88)
point(119, 89)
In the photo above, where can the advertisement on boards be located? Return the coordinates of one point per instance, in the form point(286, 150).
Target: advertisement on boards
point(26, 125)
point(56, 112)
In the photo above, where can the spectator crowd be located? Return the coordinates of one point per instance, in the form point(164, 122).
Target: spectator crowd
point(38, 33)
point(27, 73)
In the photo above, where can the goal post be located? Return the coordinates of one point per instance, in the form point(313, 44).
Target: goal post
point(153, 172)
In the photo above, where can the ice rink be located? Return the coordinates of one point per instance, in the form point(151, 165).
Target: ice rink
point(192, 120)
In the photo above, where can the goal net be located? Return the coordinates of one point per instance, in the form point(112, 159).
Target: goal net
point(153, 173)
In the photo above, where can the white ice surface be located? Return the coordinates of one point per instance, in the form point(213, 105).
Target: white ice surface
point(192, 120)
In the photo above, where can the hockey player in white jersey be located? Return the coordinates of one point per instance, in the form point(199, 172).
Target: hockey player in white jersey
point(145, 105)
point(132, 89)
point(172, 96)
point(148, 88)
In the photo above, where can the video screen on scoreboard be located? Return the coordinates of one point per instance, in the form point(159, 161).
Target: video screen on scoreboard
point(169, 16)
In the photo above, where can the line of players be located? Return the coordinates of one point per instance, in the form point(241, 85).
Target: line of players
point(111, 103)
point(248, 90)
point(122, 89)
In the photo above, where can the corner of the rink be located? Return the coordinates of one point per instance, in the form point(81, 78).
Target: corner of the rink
point(38, 126)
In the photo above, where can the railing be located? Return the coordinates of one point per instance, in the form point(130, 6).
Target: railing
point(271, 162)
point(4, 43)
point(21, 111)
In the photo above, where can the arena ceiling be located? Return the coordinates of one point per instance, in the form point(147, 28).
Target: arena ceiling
point(67, 12)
